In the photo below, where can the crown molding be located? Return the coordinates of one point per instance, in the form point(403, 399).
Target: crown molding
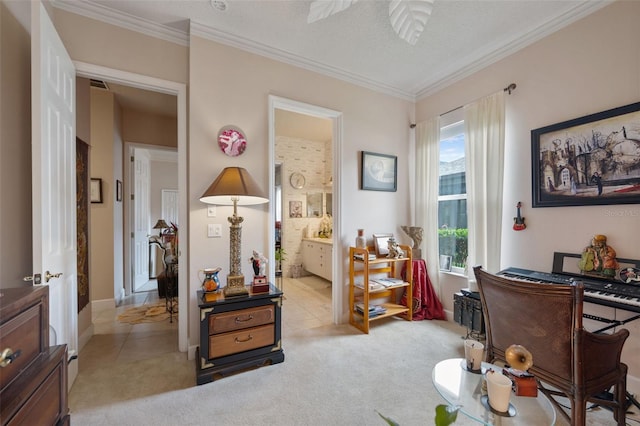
point(102, 13)
point(479, 60)
point(495, 52)
point(208, 33)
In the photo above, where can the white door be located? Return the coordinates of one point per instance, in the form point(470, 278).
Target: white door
point(54, 178)
point(170, 206)
point(141, 223)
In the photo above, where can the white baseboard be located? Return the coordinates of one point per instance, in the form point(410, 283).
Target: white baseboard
point(98, 306)
point(83, 339)
point(191, 353)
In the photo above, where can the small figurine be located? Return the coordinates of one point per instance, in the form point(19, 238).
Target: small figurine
point(395, 252)
point(599, 257)
point(259, 263)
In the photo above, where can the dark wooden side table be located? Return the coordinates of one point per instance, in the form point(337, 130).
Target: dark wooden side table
point(238, 333)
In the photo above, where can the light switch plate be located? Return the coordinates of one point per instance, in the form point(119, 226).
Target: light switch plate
point(214, 230)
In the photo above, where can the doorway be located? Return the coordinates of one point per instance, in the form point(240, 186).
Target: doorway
point(153, 178)
point(277, 105)
point(178, 90)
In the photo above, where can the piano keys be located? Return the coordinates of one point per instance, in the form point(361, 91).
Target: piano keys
point(608, 293)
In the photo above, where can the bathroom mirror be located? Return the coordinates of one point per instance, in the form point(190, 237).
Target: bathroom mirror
point(314, 204)
point(328, 203)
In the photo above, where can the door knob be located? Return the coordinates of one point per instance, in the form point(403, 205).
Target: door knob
point(48, 275)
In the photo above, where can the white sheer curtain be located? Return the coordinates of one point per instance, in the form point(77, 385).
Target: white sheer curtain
point(484, 148)
point(426, 193)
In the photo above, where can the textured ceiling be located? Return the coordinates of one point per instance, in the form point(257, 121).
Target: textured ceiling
point(357, 44)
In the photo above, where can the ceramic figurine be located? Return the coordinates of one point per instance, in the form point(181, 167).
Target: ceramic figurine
point(395, 252)
point(599, 258)
point(259, 263)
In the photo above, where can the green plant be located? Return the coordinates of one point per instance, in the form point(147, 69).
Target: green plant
point(281, 256)
point(453, 242)
point(445, 415)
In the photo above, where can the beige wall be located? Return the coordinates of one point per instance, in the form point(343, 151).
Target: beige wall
point(99, 43)
point(590, 66)
point(101, 244)
point(83, 106)
point(15, 144)
point(152, 129)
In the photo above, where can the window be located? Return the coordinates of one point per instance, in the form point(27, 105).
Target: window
point(452, 194)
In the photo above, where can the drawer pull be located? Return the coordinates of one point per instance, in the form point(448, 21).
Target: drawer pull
point(8, 356)
point(239, 320)
point(245, 340)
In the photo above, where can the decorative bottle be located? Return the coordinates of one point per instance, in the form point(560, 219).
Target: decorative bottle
point(361, 241)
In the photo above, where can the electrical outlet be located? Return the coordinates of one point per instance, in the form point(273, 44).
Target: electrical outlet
point(211, 211)
point(214, 230)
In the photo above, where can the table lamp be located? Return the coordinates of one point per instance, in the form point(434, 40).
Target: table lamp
point(234, 186)
point(161, 225)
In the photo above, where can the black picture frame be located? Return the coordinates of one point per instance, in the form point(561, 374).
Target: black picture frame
point(118, 190)
point(590, 160)
point(95, 191)
point(379, 172)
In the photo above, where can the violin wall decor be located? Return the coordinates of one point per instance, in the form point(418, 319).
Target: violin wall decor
point(518, 221)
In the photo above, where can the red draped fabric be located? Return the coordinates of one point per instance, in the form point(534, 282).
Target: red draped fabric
point(426, 304)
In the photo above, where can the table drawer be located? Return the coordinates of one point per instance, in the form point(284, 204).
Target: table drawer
point(241, 340)
point(244, 318)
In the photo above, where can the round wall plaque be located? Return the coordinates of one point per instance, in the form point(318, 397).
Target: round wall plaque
point(231, 141)
point(297, 180)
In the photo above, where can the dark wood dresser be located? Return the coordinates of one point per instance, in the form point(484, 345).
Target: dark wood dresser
point(238, 333)
point(33, 385)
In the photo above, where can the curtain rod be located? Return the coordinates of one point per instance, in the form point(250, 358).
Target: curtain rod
point(510, 88)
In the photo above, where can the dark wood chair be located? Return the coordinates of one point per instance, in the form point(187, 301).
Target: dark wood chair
point(568, 361)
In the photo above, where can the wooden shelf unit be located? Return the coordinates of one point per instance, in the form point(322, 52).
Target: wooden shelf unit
point(362, 269)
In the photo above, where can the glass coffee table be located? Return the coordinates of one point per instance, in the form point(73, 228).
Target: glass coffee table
point(463, 388)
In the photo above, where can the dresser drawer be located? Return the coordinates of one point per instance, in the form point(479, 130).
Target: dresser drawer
point(24, 321)
point(244, 318)
point(241, 340)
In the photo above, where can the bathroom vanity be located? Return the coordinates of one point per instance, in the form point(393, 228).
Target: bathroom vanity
point(317, 256)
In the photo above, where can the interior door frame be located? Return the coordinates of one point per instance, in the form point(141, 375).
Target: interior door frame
point(179, 90)
point(276, 102)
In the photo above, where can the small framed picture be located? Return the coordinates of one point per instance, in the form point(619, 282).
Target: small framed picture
point(382, 244)
point(295, 208)
point(379, 172)
point(118, 190)
point(445, 263)
point(95, 190)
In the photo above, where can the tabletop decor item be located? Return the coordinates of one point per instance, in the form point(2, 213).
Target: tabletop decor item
point(232, 141)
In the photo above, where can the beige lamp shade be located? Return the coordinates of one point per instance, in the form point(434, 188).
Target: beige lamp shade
point(234, 184)
point(160, 224)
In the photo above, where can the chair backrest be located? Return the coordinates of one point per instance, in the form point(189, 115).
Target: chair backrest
point(544, 318)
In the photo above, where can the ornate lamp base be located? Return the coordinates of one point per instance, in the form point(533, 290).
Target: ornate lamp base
point(235, 286)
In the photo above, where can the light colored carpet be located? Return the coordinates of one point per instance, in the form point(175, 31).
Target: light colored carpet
point(332, 375)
